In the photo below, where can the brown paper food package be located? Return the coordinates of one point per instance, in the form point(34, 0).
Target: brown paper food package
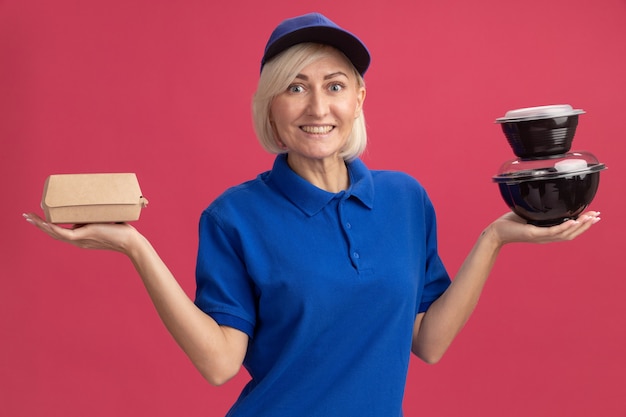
point(92, 198)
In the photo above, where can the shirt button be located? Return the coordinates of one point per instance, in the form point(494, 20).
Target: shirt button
point(348, 226)
point(356, 255)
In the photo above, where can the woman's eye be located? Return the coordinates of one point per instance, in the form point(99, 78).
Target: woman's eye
point(295, 89)
point(336, 87)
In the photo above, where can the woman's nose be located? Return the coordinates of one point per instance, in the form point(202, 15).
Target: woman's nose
point(318, 104)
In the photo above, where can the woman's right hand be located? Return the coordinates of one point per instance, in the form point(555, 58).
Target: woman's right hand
point(116, 237)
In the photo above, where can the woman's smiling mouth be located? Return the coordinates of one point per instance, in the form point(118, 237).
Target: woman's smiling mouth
point(317, 130)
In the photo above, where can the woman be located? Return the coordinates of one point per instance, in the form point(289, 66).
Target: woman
point(320, 276)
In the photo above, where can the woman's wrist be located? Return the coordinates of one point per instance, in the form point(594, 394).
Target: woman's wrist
point(492, 237)
point(132, 244)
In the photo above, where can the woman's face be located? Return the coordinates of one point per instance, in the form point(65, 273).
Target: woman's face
point(313, 118)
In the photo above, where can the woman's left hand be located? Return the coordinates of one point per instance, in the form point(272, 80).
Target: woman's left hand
point(434, 330)
point(511, 228)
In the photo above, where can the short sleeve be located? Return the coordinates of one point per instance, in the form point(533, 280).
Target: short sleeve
point(436, 279)
point(223, 288)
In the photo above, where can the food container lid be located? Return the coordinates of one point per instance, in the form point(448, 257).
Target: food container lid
point(539, 112)
point(568, 165)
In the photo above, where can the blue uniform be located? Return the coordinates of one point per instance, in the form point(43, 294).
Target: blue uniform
point(326, 285)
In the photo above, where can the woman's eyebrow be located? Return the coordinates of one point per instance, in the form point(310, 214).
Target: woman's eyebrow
point(326, 77)
point(336, 74)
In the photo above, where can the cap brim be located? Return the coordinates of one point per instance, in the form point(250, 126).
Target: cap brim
point(347, 43)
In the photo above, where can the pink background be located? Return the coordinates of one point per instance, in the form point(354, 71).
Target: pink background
point(163, 89)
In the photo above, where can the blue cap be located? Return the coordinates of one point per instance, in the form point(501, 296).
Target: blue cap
point(317, 28)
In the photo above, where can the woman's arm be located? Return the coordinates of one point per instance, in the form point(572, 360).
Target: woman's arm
point(435, 329)
point(216, 351)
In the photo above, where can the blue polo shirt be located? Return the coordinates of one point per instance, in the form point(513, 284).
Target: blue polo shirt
point(326, 285)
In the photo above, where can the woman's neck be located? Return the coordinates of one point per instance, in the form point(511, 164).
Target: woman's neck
point(328, 174)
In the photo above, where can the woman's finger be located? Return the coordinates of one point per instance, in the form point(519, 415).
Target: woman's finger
point(92, 236)
point(572, 228)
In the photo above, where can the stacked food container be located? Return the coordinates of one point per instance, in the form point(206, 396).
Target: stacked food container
point(547, 183)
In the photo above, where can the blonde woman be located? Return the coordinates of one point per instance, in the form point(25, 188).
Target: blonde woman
point(320, 276)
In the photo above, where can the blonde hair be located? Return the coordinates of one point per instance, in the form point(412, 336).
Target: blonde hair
point(276, 76)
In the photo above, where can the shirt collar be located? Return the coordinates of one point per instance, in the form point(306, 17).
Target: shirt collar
point(311, 199)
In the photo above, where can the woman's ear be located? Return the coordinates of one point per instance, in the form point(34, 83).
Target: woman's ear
point(361, 93)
